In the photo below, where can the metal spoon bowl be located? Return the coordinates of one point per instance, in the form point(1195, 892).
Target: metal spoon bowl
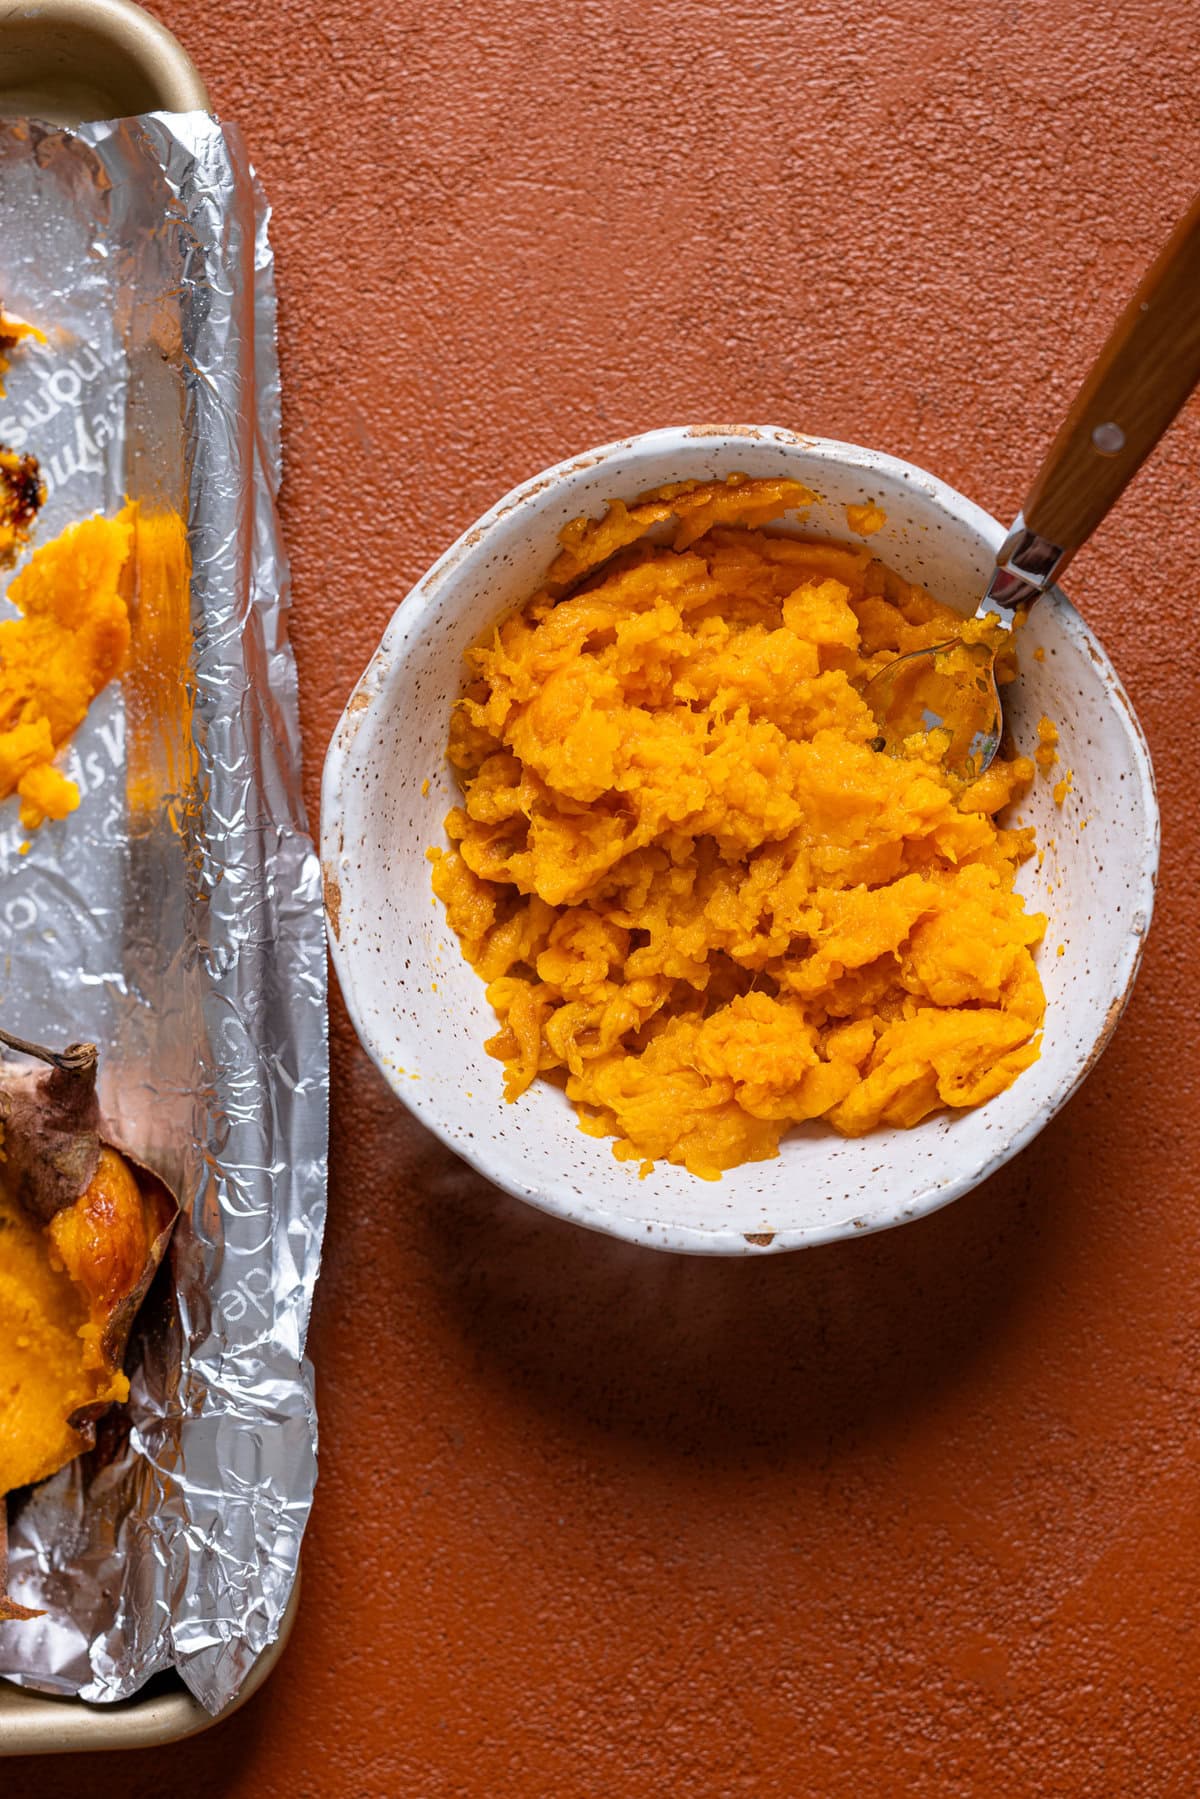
point(948, 688)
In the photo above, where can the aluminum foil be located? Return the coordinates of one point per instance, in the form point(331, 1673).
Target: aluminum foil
point(175, 918)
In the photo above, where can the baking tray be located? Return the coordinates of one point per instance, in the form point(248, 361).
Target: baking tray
point(70, 61)
point(163, 1712)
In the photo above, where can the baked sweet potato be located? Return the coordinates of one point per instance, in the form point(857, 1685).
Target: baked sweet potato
point(82, 1230)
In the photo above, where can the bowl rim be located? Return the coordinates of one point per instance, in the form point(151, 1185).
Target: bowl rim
point(70, 29)
point(423, 598)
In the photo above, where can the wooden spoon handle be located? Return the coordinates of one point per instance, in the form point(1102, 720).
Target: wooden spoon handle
point(1141, 378)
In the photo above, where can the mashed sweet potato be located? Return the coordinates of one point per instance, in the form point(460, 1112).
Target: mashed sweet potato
point(702, 899)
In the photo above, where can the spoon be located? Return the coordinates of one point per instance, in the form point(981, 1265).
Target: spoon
point(1139, 381)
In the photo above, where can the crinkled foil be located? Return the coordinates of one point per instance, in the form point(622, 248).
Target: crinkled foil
point(175, 918)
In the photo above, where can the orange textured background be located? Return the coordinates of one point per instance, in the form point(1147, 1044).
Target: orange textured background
point(913, 1515)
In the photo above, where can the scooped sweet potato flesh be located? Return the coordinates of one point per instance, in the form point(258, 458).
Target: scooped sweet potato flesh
point(67, 644)
point(700, 897)
point(60, 1285)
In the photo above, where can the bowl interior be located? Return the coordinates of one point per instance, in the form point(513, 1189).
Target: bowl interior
point(422, 1013)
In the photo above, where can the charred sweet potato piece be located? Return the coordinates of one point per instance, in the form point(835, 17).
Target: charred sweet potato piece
point(82, 1231)
point(22, 493)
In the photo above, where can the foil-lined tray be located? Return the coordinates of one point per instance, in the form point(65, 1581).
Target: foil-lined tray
point(176, 916)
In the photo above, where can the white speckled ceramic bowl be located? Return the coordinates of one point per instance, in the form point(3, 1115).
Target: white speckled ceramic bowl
point(421, 1011)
